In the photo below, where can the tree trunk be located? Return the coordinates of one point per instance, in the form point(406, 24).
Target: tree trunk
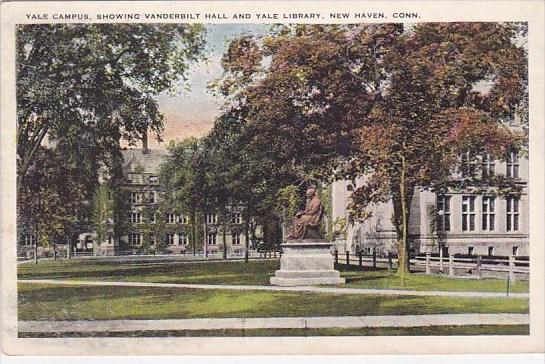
point(205, 241)
point(194, 231)
point(247, 235)
point(403, 239)
point(224, 236)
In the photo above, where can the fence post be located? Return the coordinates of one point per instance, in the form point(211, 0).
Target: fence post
point(347, 257)
point(390, 265)
point(374, 258)
point(512, 268)
point(450, 266)
point(428, 268)
point(479, 263)
point(336, 257)
point(360, 259)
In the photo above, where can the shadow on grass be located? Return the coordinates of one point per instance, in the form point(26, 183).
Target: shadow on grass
point(182, 272)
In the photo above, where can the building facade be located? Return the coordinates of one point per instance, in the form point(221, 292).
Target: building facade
point(145, 221)
point(457, 222)
point(152, 222)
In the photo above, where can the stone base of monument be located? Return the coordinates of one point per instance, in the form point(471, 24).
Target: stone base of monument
point(306, 262)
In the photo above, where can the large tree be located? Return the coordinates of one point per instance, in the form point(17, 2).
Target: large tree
point(101, 79)
point(389, 106)
point(183, 176)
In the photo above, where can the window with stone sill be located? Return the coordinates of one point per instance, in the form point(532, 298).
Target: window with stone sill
point(135, 239)
point(468, 213)
point(171, 218)
point(212, 238)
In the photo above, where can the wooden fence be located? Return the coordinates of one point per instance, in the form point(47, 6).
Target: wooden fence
point(475, 266)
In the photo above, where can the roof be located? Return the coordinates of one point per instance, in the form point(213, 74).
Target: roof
point(149, 162)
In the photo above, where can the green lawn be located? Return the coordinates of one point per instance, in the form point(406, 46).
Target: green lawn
point(252, 273)
point(387, 331)
point(422, 282)
point(50, 302)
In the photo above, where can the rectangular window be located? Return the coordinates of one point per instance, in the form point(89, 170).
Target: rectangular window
point(183, 219)
point(512, 165)
point(490, 250)
point(136, 218)
point(488, 165)
point(211, 218)
point(169, 239)
point(109, 195)
point(467, 165)
point(30, 240)
point(237, 219)
point(136, 197)
point(153, 179)
point(211, 238)
point(171, 218)
point(153, 218)
point(135, 239)
point(183, 239)
point(512, 214)
point(468, 213)
point(443, 211)
point(153, 197)
point(515, 250)
point(470, 250)
point(236, 239)
point(110, 240)
point(488, 211)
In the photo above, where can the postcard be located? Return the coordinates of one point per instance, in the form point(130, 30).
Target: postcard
point(272, 178)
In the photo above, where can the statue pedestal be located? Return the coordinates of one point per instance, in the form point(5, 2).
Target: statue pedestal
point(306, 262)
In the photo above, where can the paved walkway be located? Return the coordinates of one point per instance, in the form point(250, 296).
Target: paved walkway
point(332, 290)
point(274, 323)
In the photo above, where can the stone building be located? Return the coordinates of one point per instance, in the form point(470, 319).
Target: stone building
point(150, 219)
point(147, 218)
point(458, 222)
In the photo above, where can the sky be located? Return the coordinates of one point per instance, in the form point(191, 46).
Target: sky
point(192, 113)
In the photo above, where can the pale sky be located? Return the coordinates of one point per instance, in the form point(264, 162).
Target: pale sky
point(192, 113)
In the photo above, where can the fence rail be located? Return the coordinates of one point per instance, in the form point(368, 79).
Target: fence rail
point(512, 266)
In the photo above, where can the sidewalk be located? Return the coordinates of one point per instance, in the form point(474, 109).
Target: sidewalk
point(275, 323)
point(332, 290)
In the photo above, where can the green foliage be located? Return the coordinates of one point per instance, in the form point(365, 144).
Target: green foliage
point(327, 224)
point(56, 199)
point(102, 214)
point(340, 226)
point(121, 213)
point(392, 103)
point(83, 88)
point(288, 202)
point(183, 175)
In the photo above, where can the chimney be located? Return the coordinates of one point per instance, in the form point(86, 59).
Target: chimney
point(145, 149)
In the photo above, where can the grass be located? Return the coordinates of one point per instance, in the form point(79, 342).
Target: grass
point(386, 331)
point(421, 282)
point(252, 273)
point(50, 302)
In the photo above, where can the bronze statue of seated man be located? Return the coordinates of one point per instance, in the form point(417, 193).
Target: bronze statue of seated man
point(306, 223)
